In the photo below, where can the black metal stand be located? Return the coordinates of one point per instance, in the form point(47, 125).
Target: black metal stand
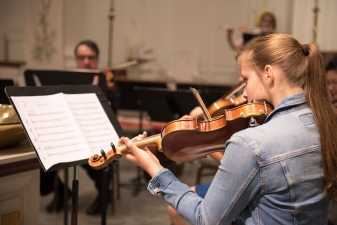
point(103, 198)
point(70, 89)
point(116, 182)
point(74, 211)
point(66, 185)
point(113, 184)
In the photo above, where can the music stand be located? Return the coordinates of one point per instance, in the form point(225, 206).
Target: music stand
point(59, 77)
point(166, 105)
point(156, 102)
point(209, 92)
point(42, 77)
point(129, 93)
point(73, 89)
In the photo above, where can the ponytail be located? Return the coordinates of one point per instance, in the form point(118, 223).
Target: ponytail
point(326, 120)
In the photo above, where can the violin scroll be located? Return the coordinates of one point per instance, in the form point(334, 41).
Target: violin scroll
point(102, 160)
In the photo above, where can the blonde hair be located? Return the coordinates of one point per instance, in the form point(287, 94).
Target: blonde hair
point(266, 14)
point(303, 67)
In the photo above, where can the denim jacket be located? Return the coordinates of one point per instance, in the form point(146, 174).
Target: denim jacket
point(271, 174)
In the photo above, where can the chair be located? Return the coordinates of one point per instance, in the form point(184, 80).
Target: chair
point(332, 216)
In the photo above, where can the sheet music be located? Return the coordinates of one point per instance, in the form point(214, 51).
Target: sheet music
point(52, 129)
point(92, 120)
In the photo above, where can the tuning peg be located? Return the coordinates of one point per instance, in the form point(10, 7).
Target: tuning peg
point(113, 147)
point(103, 154)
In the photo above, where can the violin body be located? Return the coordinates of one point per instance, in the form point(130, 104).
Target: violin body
point(181, 136)
point(185, 140)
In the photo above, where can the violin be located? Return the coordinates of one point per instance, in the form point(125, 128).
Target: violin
point(228, 101)
point(110, 77)
point(225, 102)
point(188, 139)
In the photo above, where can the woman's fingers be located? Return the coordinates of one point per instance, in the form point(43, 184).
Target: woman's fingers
point(133, 149)
point(144, 158)
point(196, 112)
point(186, 117)
point(140, 136)
point(126, 141)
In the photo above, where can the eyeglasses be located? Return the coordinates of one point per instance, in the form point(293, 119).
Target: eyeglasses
point(89, 57)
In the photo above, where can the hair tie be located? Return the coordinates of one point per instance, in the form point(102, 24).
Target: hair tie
point(305, 49)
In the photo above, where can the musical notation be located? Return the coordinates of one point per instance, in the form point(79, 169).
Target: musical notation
point(65, 127)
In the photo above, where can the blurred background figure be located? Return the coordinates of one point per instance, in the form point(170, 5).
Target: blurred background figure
point(331, 81)
point(87, 54)
point(87, 57)
point(266, 24)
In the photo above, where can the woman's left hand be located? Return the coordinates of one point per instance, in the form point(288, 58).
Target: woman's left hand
point(144, 158)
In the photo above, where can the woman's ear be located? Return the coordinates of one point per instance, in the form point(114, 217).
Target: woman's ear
point(268, 75)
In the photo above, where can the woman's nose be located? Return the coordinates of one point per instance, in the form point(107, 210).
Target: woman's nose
point(244, 93)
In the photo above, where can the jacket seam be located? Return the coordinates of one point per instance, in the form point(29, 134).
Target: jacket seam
point(281, 157)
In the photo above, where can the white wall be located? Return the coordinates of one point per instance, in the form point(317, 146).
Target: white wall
point(184, 35)
point(327, 17)
point(19, 20)
point(11, 24)
point(43, 34)
point(85, 19)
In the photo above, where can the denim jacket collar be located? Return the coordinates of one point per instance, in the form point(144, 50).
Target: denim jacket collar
point(288, 102)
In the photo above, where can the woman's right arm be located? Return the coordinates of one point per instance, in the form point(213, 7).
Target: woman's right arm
point(230, 39)
point(234, 186)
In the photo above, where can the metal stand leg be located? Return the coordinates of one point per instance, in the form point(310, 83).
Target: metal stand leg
point(66, 182)
point(112, 185)
point(116, 169)
point(74, 213)
point(103, 198)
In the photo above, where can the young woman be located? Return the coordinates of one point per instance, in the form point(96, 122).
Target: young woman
point(281, 172)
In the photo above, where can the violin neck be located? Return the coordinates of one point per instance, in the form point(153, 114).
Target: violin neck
point(154, 140)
